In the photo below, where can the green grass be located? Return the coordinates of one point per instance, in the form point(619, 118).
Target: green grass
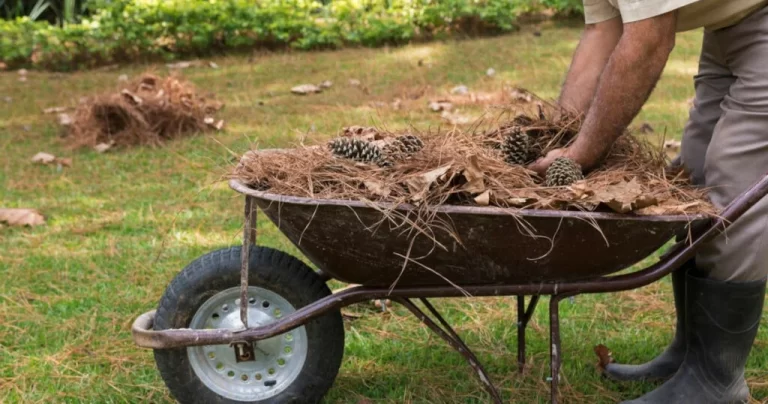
point(121, 225)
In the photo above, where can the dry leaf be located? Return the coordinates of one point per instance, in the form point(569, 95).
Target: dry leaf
point(624, 197)
point(184, 65)
point(419, 186)
point(103, 147)
point(455, 118)
point(519, 94)
point(54, 110)
point(213, 65)
point(43, 158)
point(326, 84)
point(460, 90)
point(483, 199)
point(604, 355)
point(474, 176)
point(3, 66)
point(219, 125)
point(440, 105)
point(22, 72)
point(646, 128)
point(21, 217)
point(348, 315)
point(8, 99)
point(354, 82)
point(397, 104)
point(490, 72)
point(65, 119)
point(64, 162)
point(133, 97)
point(122, 78)
point(377, 188)
point(305, 89)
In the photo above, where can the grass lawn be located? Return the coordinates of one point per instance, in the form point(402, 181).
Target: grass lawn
point(121, 225)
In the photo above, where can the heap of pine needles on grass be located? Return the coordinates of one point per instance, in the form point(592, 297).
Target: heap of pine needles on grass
point(469, 168)
point(147, 111)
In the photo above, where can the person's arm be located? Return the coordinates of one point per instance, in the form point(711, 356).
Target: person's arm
point(595, 48)
point(632, 71)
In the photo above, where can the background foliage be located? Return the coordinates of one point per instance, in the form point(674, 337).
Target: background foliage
point(68, 34)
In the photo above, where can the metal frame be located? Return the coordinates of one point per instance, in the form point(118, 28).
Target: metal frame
point(144, 336)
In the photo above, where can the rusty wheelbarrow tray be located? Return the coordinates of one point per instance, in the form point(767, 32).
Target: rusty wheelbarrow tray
point(487, 252)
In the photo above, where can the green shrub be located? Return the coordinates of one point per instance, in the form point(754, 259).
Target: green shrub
point(120, 30)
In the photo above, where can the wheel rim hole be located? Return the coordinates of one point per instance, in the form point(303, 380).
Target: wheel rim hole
point(265, 304)
point(271, 371)
point(219, 366)
point(244, 378)
point(289, 337)
point(231, 373)
point(211, 355)
point(281, 362)
point(287, 350)
point(225, 307)
point(215, 316)
point(257, 376)
point(252, 300)
point(278, 313)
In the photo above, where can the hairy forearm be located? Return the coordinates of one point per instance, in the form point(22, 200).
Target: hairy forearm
point(629, 77)
point(589, 60)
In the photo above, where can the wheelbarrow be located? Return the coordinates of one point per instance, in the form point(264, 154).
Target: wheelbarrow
point(254, 324)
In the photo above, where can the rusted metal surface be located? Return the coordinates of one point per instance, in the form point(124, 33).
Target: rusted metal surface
point(450, 336)
point(348, 240)
point(243, 351)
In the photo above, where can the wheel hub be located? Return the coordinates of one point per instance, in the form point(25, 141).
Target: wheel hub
point(276, 362)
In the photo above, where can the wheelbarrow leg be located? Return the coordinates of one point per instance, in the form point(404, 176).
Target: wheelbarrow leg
point(523, 317)
point(556, 351)
point(449, 335)
point(249, 238)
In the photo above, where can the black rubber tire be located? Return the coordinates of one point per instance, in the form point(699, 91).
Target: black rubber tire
point(269, 269)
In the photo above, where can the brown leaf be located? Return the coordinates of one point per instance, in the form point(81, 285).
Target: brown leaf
point(419, 186)
point(64, 162)
point(21, 217)
point(440, 105)
point(3, 66)
point(103, 147)
point(646, 128)
point(604, 355)
point(348, 315)
point(377, 187)
point(54, 110)
point(184, 64)
point(132, 97)
point(474, 176)
point(455, 118)
point(521, 95)
point(354, 82)
point(483, 199)
point(65, 119)
point(326, 84)
point(213, 65)
point(43, 158)
point(305, 89)
point(624, 197)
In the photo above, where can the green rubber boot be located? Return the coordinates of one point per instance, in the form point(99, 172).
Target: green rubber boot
point(722, 320)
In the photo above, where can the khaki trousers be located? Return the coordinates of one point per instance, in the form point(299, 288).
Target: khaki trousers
point(725, 143)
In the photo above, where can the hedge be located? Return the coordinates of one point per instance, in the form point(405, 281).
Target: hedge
point(124, 30)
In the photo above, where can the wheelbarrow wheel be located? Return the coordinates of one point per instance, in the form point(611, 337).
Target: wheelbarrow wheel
point(296, 367)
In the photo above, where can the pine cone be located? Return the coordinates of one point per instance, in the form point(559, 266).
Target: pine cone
point(355, 149)
point(409, 144)
point(516, 147)
point(563, 172)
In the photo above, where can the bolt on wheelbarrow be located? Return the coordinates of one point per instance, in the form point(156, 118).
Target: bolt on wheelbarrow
point(253, 324)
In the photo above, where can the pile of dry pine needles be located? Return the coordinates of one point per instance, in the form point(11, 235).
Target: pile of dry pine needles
point(467, 168)
point(147, 111)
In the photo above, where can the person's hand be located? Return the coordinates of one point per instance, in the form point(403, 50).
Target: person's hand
point(540, 166)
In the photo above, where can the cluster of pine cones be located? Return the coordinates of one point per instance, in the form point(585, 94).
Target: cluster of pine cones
point(368, 152)
point(519, 149)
